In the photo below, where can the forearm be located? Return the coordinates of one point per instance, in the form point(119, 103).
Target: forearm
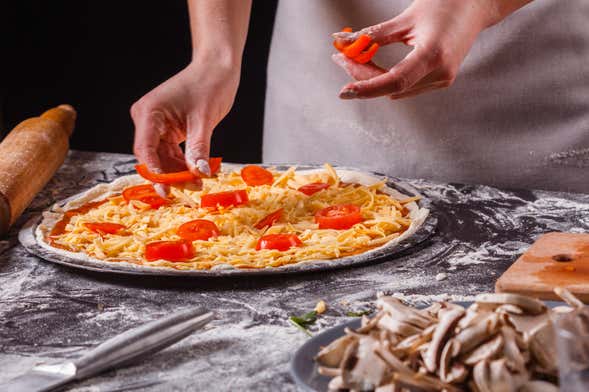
point(501, 9)
point(219, 29)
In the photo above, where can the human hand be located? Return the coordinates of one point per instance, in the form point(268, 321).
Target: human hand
point(441, 33)
point(186, 107)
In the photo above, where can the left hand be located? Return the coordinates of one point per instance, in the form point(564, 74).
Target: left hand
point(441, 33)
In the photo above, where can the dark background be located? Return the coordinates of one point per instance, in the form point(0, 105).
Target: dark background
point(101, 56)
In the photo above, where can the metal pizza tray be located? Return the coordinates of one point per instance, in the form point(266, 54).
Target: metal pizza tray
point(384, 253)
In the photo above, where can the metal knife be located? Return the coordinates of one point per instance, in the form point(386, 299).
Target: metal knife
point(120, 350)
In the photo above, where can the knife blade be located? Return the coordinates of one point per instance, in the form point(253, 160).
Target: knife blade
point(115, 352)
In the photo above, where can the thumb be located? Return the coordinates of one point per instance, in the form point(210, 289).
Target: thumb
point(356, 70)
point(198, 144)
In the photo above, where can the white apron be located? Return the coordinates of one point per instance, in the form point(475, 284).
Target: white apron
point(516, 116)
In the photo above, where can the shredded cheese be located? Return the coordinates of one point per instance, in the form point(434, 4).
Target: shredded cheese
point(385, 218)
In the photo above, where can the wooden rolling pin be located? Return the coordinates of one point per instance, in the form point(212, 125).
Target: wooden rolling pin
point(29, 156)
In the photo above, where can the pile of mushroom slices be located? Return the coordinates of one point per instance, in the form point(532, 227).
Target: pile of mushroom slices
point(502, 342)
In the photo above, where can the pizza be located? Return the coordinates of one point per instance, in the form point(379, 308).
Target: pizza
point(243, 217)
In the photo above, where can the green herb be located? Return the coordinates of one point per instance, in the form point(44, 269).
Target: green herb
point(305, 330)
point(306, 319)
point(302, 322)
point(358, 314)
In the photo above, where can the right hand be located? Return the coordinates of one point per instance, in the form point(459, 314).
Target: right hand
point(186, 107)
point(441, 33)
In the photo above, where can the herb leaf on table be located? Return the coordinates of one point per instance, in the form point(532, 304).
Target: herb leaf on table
point(302, 322)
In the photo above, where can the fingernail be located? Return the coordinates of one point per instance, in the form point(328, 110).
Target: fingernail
point(203, 167)
point(161, 190)
point(344, 36)
point(348, 93)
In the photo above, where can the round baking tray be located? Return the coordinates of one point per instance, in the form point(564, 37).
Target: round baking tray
point(384, 253)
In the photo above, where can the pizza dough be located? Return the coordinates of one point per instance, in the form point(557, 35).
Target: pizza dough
point(247, 258)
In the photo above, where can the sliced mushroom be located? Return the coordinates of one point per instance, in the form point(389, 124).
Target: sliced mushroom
point(411, 343)
point(448, 372)
point(336, 384)
point(448, 320)
point(329, 371)
point(542, 345)
point(348, 361)
point(513, 357)
point(433, 309)
point(458, 373)
point(562, 309)
point(413, 360)
point(488, 350)
point(526, 324)
point(423, 347)
point(494, 376)
point(407, 314)
point(332, 354)
point(387, 388)
point(385, 337)
point(473, 315)
point(509, 308)
point(480, 376)
point(394, 362)
point(368, 324)
point(354, 333)
point(473, 336)
point(497, 344)
point(527, 304)
point(568, 297)
point(398, 326)
point(367, 370)
point(502, 379)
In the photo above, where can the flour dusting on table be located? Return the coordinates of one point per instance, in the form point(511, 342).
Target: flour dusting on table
point(66, 312)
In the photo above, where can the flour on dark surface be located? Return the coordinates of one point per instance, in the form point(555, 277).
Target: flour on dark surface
point(49, 312)
point(573, 158)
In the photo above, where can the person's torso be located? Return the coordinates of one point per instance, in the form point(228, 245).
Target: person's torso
point(516, 116)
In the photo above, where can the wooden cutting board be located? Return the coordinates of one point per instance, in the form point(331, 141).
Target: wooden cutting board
point(555, 259)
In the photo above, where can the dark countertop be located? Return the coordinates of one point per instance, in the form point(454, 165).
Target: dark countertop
point(49, 312)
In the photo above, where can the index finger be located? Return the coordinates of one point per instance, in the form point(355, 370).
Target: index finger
point(384, 33)
point(145, 148)
point(146, 143)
